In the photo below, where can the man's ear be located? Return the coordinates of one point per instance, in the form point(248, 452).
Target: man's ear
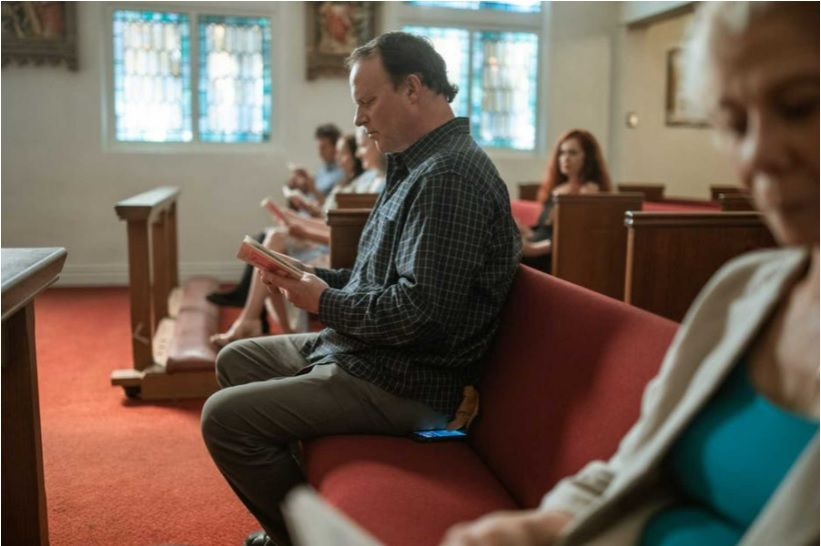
point(413, 88)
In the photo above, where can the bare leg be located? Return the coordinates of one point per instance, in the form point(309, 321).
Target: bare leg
point(248, 322)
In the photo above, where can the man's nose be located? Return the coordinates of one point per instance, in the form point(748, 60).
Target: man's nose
point(358, 117)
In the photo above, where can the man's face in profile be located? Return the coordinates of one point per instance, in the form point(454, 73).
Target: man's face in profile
point(380, 108)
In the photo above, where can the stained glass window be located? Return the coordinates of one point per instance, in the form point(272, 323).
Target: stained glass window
point(497, 77)
point(235, 79)
point(453, 44)
point(526, 6)
point(503, 112)
point(152, 94)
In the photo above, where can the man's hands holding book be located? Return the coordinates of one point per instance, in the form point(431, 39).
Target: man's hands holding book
point(277, 271)
point(303, 292)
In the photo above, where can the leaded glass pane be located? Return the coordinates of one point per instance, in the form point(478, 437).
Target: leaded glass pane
point(453, 45)
point(235, 79)
point(152, 94)
point(526, 6)
point(505, 68)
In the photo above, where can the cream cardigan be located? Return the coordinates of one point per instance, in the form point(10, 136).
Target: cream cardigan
point(612, 500)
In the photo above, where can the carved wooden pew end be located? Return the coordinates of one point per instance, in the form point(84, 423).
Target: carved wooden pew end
point(171, 326)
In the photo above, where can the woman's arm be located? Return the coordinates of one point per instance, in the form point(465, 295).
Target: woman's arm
point(527, 528)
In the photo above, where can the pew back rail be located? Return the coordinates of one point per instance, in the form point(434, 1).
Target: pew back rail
point(589, 240)
point(671, 256)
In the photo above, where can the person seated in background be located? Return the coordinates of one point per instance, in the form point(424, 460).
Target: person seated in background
point(306, 239)
point(372, 180)
point(576, 166)
point(311, 188)
point(726, 448)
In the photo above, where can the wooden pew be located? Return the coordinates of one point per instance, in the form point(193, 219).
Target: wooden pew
point(651, 192)
point(169, 326)
point(737, 201)
point(346, 229)
point(356, 200)
point(671, 256)
point(718, 189)
point(589, 240)
point(528, 191)
point(26, 273)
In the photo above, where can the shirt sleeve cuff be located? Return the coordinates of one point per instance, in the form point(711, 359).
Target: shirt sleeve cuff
point(331, 307)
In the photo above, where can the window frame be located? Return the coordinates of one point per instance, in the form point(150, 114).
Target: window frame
point(194, 10)
point(478, 20)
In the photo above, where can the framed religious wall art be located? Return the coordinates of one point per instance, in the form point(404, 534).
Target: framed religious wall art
point(39, 32)
point(679, 111)
point(334, 30)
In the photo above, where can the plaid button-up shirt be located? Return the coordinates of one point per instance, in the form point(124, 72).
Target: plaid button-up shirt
point(437, 256)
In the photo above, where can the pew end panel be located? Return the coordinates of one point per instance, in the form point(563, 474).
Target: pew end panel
point(589, 240)
point(651, 192)
point(170, 325)
point(671, 256)
point(356, 200)
point(346, 229)
point(529, 191)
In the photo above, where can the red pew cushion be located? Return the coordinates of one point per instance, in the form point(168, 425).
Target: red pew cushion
point(526, 212)
point(404, 492)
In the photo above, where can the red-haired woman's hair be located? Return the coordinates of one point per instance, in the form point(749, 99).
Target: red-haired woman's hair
point(593, 170)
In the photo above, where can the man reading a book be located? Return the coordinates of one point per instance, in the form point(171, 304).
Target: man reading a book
point(407, 326)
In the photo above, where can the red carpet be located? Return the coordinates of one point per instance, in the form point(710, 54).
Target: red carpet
point(118, 471)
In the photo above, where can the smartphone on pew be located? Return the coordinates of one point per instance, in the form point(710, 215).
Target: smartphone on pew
point(438, 435)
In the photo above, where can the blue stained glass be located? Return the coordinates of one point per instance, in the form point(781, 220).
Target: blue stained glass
point(453, 44)
point(522, 6)
point(235, 79)
point(150, 102)
point(504, 89)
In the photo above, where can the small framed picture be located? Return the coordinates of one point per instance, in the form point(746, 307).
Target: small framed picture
point(679, 111)
point(334, 30)
point(40, 32)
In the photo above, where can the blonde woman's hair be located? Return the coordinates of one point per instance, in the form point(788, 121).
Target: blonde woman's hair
point(718, 21)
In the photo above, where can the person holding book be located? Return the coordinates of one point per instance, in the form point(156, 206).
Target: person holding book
point(311, 188)
point(408, 325)
point(726, 448)
point(253, 319)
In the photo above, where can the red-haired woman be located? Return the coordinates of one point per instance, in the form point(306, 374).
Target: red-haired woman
point(576, 167)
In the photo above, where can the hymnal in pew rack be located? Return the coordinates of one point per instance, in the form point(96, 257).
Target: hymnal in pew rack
point(257, 255)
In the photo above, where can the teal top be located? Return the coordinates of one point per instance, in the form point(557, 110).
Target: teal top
point(726, 464)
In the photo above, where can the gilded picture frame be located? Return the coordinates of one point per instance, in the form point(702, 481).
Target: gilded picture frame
point(39, 33)
point(333, 31)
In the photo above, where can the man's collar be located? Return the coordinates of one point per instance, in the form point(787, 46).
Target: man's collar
point(417, 152)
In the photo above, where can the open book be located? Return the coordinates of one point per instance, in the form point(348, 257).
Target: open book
point(257, 255)
point(275, 211)
point(313, 522)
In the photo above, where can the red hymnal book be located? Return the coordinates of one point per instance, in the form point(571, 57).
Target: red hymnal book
point(271, 207)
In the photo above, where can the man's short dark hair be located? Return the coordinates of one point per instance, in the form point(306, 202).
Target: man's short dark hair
point(404, 54)
point(328, 131)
